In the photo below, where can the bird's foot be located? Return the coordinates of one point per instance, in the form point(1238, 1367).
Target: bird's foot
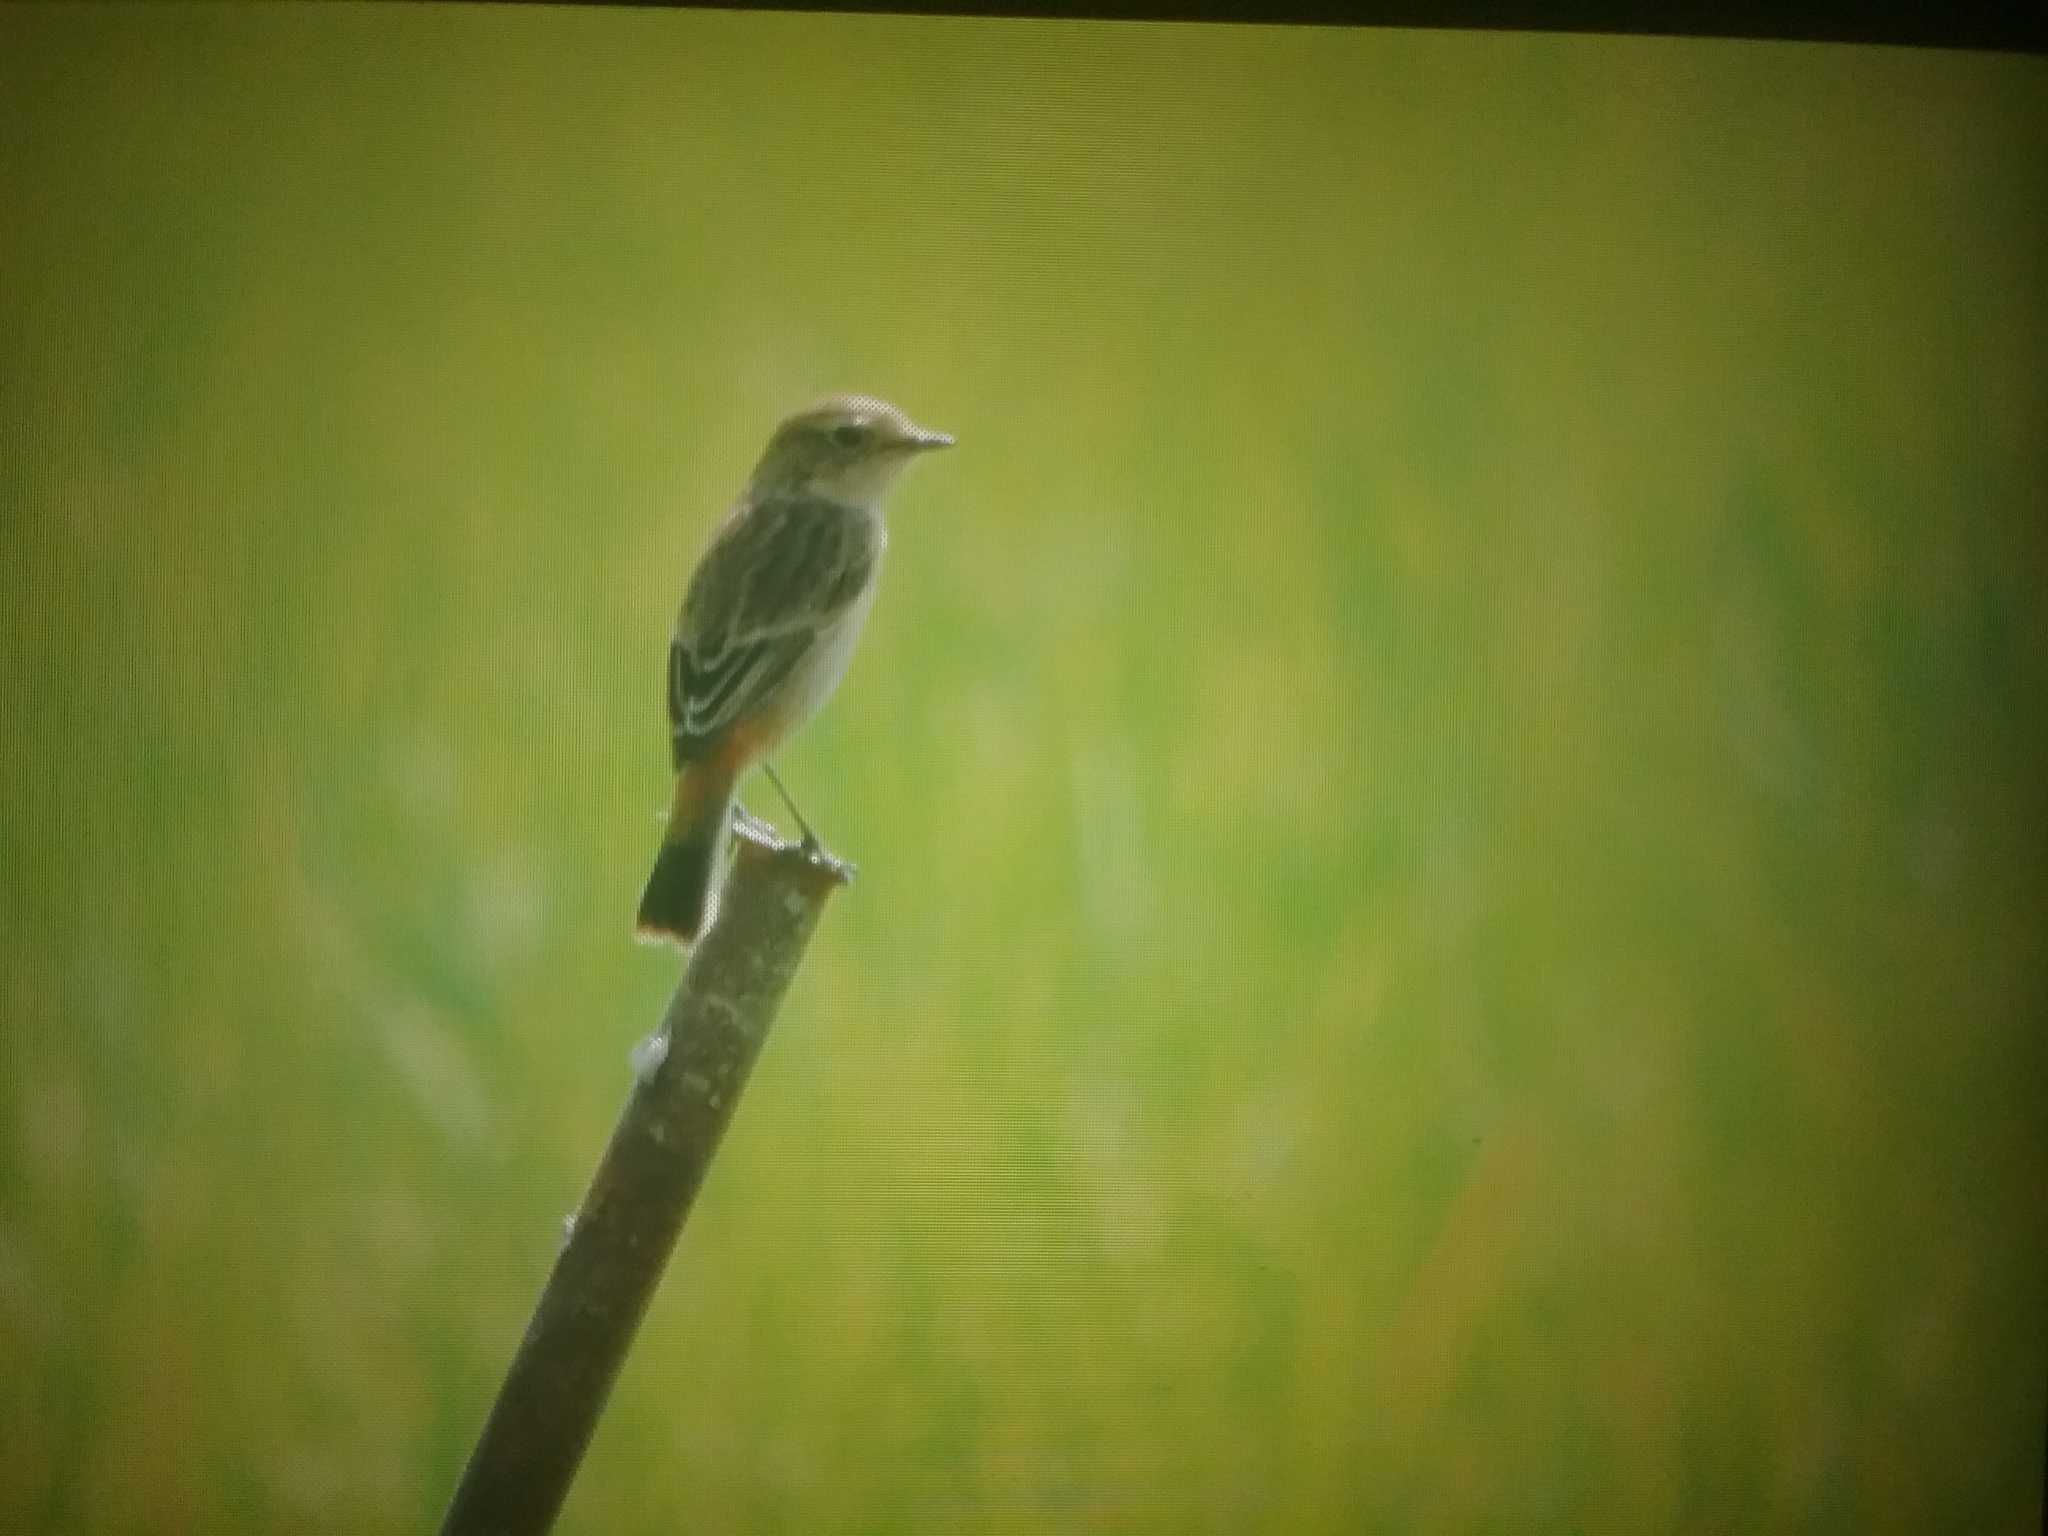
point(842, 870)
point(746, 822)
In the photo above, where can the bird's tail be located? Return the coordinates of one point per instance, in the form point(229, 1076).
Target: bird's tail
point(679, 888)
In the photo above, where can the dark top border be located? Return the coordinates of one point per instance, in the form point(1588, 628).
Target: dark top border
point(1978, 24)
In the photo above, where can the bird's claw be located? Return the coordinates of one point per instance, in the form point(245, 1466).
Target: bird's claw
point(842, 870)
point(746, 821)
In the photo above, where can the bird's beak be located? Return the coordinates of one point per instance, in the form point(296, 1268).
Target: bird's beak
point(920, 440)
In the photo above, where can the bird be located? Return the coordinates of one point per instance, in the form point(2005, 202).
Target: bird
point(767, 626)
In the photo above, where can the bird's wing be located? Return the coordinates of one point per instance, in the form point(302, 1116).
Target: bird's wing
point(776, 576)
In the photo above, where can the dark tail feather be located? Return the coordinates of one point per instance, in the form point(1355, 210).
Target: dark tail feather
point(679, 889)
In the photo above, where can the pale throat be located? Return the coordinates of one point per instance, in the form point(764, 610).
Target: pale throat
point(859, 485)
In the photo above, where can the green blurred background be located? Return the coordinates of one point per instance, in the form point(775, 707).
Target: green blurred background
point(1448, 782)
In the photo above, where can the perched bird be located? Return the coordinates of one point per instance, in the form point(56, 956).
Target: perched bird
point(768, 625)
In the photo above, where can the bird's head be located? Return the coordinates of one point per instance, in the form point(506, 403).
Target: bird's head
point(847, 448)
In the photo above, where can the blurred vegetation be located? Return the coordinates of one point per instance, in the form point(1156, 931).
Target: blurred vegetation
point(1449, 781)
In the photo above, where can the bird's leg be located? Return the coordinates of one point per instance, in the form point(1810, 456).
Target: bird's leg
point(810, 843)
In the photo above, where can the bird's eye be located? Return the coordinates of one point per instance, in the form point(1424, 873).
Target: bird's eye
point(849, 435)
